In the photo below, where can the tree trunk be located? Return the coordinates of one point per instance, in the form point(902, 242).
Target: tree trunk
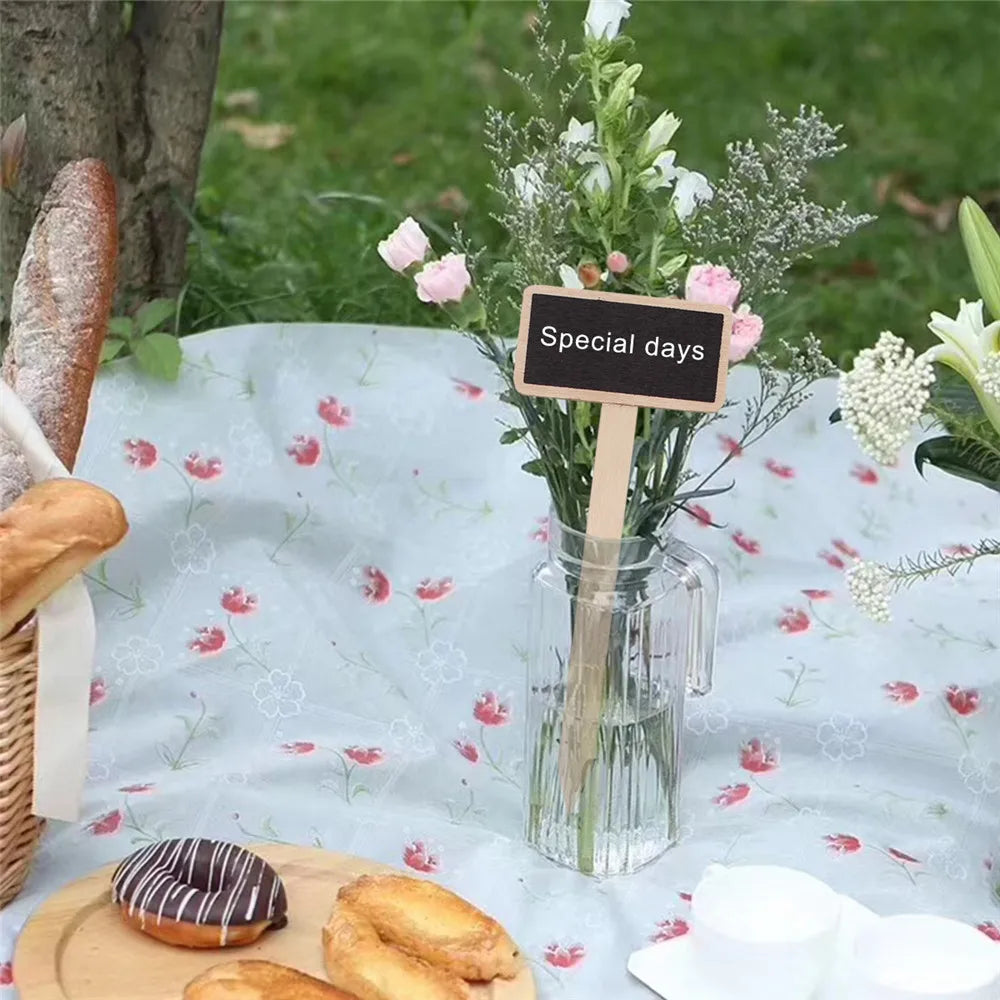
point(137, 95)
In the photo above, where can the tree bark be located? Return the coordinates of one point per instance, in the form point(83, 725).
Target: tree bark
point(138, 96)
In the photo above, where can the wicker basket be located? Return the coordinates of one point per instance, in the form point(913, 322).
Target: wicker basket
point(19, 829)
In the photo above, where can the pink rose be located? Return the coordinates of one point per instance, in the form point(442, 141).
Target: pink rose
point(748, 328)
point(406, 245)
point(444, 280)
point(712, 284)
point(617, 262)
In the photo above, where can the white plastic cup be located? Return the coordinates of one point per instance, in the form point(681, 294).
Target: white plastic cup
point(764, 932)
point(922, 957)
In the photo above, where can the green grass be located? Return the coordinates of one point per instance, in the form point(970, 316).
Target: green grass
point(387, 99)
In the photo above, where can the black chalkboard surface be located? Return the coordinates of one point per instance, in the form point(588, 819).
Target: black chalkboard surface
point(611, 348)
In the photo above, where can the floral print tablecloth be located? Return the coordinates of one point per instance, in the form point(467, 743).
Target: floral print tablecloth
point(315, 633)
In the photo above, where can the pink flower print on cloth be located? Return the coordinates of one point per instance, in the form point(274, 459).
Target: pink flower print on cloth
point(565, 957)
point(305, 450)
point(141, 454)
point(237, 601)
point(334, 413)
point(417, 855)
point(204, 467)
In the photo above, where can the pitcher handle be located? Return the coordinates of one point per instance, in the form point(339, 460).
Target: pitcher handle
point(699, 575)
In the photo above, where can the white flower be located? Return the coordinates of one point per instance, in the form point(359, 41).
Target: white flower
point(137, 656)
point(981, 777)
point(691, 191)
point(191, 550)
point(989, 375)
point(842, 737)
point(409, 738)
point(970, 348)
point(249, 445)
point(709, 715)
point(604, 18)
point(527, 183)
point(569, 277)
point(441, 663)
point(870, 586)
point(578, 133)
point(659, 134)
point(279, 695)
point(883, 395)
point(99, 766)
point(598, 178)
point(663, 171)
point(946, 857)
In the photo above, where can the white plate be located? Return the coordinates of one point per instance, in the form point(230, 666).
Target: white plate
point(668, 968)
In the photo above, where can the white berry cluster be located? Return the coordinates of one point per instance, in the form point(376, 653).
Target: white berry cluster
point(989, 374)
point(870, 585)
point(883, 395)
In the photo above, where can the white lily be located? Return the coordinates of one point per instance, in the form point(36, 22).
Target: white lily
point(578, 133)
point(659, 134)
point(604, 18)
point(569, 277)
point(972, 349)
point(527, 182)
point(598, 178)
point(662, 173)
point(691, 191)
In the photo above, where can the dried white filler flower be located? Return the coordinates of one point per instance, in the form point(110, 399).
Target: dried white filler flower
point(883, 395)
point(989, 375)
point(870, 585)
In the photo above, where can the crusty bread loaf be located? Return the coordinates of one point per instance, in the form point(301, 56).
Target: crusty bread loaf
point(59, 313)
point(50, 534)
point(252, 980)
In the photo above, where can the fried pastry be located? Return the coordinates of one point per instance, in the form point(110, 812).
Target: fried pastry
point(429, 922)
point(358, 962)
point(259, 981)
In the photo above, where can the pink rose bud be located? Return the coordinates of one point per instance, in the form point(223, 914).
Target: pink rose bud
point(617, 262)
point(444, 280)
point(590, 275)
point(748, 328)
point(406, 245)
point(712, 284)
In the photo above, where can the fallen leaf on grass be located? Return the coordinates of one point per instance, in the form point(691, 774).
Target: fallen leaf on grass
point(260, 135)
point(403, 159)
point(941, 215)
point(453, 200)
point(242, 100)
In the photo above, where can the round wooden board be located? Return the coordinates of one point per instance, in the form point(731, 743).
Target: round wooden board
point(76, 947)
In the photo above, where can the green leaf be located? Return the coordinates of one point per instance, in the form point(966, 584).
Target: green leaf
point(836, 416)
point(121, 326)
point(154, 314)
point(957, 459)
point(111, 348)
point(536, 467)
point(159, 354)
point(513, 434)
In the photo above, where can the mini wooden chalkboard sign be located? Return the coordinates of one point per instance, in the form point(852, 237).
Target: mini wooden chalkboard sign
point(623, 351)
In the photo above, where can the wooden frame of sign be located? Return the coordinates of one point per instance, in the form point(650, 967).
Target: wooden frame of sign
point(623, 351)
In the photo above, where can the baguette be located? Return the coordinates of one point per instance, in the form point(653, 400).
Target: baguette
point(56, 529)
point(250, 980)
point(59, 313)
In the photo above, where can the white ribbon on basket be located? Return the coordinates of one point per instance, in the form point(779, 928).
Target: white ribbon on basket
point(66, 639)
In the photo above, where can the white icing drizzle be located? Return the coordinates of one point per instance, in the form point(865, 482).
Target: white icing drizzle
point(152, 879)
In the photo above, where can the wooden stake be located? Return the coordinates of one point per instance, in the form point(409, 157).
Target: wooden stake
point(588, 666)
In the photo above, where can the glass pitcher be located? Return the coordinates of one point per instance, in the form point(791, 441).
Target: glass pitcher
point(620, 630)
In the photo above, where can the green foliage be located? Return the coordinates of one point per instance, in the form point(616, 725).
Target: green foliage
point(157, 353)
point(413, 78)
point(965, 459)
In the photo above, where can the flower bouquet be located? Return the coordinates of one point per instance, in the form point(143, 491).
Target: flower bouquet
point(953, 387)
point(600, 201)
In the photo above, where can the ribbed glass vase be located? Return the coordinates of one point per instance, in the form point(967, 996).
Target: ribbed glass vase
point(648, 626)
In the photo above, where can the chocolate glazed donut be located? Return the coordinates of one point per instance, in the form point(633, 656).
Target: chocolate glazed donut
point(199, 893)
